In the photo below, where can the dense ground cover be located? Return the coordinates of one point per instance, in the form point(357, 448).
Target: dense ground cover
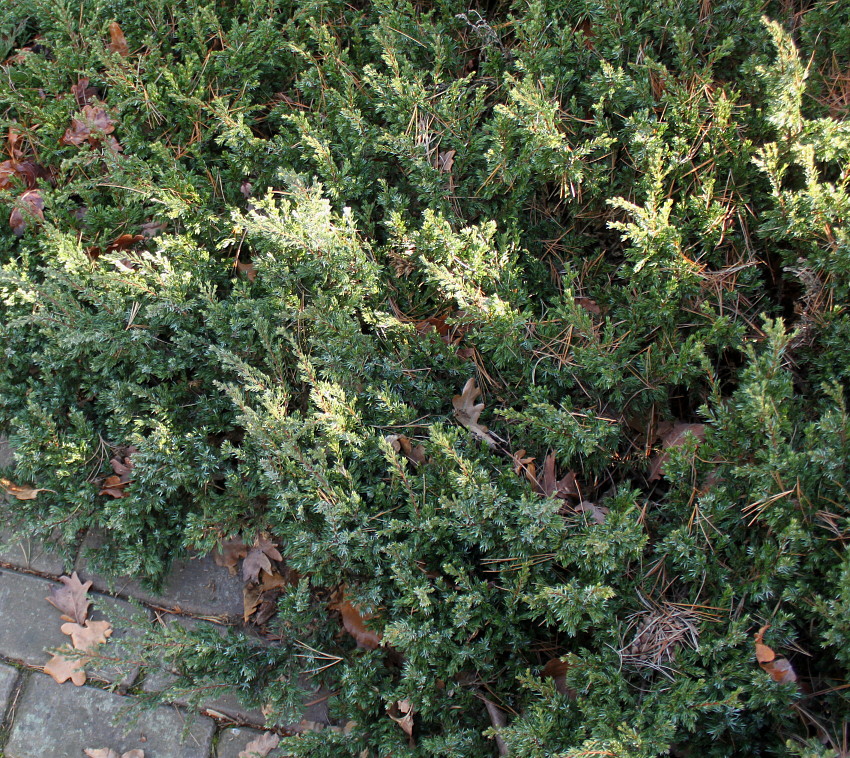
point(255, 253)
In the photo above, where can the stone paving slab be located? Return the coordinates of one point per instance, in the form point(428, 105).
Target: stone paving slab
point(231, 742)
point(7, 457)
point(60, 721)
point(29, 554)
point(195, 585)
point(29, 625)
point(8, 677)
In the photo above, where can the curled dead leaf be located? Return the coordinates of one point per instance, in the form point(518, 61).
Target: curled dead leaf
point(259, 558)
point(18, 492)
point(355, 624)
point(117, 41)
point(466, 412)
point(82, 92)
point(673, 436)
point(779, 669)
point(557, 670)
point(71, 598)
point(28, 209)
point(91, 125)
point(260, 747)
point(402, 713)
point(229, 553)
point(248, 269)
point(549, 484)
point(402, 444)
point(597, 513)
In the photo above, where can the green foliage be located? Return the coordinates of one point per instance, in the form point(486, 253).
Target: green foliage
point(615, 215)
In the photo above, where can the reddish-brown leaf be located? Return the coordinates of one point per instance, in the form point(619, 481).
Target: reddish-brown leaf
point(779, 669)
point(91, 125)
point(674, 436)
point(82, 92)
point(597, 513)
point(71, 598)
point(258, 559)
point(248, 269)
point(402, 444)
point(28, 209)
point(20, 493)
point(549, 484)
point(557, 669)
point(402, 713)
point(355, 624)
point(123, 242)
point(231, 551)
point(117, 41)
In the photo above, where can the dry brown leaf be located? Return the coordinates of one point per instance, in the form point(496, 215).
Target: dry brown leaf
point(260, 747)
point(549, 484)
point(29, 208)
point(258, 559)
point(355, 624)
point(557, 669)
point(525, 465)
point(71, 598)
point(248, 269)
point(122, 465)
point(779, 669)
point(591, 306)
point(62, 669)
point(251, 599)
point(445, 160)
point(673, 436)
point(402, 713)
point(467, 412)
point(92, 634)
point(402, 444)
point(596, 512)
point(82, 92)
point(228, 555)
point(124, 241)
point(90, 125)
point(21, 493)
point(153, 228)
point(117, 41)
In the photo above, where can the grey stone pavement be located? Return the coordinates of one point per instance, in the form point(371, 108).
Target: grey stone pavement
point(42, 719)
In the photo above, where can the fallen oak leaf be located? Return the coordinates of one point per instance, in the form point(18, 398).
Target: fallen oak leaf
point(90, 125)
point(260, 747)
point(62, 668)
point(29, 208)
point(229, 553)
point(113, 486)
point(71, 598)
point(557, 670)
point(90, 635)
point(596, 512)
point(467, 412)
point(355, 624)
point(402, 444)
point(248, 269)
point(82, 92)
point(779, 669)
point(117, 41)
point(251, 599)
point(525, 465)
point(549, 484)
point(258, 559)
point(402, 713)
point(674, 436)
point(21, 493)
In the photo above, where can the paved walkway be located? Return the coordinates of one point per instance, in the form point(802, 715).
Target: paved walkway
point(42, 719)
